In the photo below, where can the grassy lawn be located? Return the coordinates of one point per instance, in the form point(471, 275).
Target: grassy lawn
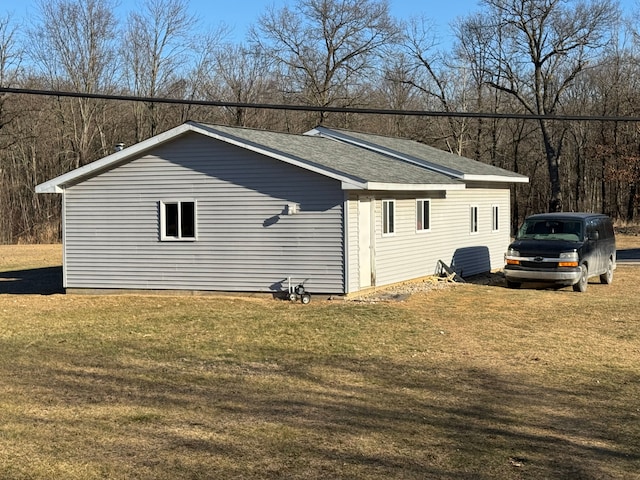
point(472, 381)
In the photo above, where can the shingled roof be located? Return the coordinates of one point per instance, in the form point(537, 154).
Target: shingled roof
point(429, 157)
point(359, 161)
point(360, 165)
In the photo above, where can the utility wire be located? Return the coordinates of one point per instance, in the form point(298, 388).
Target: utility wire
point(308, 108)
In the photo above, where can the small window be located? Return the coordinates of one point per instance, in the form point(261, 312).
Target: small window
point(423, 215)
point(495, 216)
point(388, 217)
point(178, 220)
point(474, 219)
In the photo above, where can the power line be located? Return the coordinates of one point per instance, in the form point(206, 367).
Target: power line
point(308, 108)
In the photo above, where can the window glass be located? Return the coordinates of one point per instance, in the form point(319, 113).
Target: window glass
point(423, 215)
point(495, 220)
point(474, 219)
point(178, 220)
point(171, 219)
point(188, 219)
point(388, 216)
point(541, 229)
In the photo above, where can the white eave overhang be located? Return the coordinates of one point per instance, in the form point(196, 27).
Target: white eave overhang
point(495, 178)
point(408, 187)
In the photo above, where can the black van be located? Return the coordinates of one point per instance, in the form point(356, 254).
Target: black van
point(562, 248)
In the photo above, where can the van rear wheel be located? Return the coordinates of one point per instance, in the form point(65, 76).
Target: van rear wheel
point(581, 286)
point(607, 277)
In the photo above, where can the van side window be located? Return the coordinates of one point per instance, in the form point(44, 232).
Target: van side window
point(591, 229)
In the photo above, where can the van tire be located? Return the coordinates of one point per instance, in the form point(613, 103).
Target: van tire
point(511, 284)
point(581, 286)
point(607, 277)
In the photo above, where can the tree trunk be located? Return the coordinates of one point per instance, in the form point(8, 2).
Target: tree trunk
point(553, 165)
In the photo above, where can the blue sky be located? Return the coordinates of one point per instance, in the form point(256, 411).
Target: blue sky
point(240, 14)
point(441, 12)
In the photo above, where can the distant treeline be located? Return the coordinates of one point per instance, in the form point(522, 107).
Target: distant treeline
point(545, 58)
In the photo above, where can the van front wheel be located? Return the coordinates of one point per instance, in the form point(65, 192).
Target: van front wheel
point(607, 277)
point(581, 286)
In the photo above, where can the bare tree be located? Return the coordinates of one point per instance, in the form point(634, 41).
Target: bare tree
point(472, 52)
point(10, 60)
point(11, 57)
point(544, 45)
point(73, 44)
point(325, 47)
point(398, 95)
point(242, 75)
point(157, 49)
point(201, 72)
point(427, 71)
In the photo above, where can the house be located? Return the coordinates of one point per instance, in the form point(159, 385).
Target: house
point(216, 208)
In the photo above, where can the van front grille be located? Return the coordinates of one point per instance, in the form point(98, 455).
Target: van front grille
point(539, 264)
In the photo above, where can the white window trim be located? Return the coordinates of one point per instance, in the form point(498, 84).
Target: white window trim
point(163, 235)
point(495, 218)
point(473, 208)
point(385, 203)
point(425, 201)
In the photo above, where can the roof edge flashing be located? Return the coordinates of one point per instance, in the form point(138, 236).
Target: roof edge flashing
point(343, 137)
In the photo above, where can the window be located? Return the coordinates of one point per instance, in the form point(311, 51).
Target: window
point(388, 217)
point(495, 216)
point(178, 220)
point(474, 219)
point(423, 215)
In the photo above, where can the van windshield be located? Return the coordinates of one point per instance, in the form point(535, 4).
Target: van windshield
point(538, 229)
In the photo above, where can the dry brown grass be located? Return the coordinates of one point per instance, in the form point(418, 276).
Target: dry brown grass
point(469, 382)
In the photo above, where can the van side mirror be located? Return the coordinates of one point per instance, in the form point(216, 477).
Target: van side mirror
point(594, 235)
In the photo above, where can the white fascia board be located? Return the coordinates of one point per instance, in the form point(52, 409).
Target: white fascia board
point(495, 178)
point(352, 186)
point(56, 185)
point(406, 187)
point(49, 187)
point(313, 132)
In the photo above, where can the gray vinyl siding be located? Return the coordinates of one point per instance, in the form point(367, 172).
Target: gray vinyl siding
point(410, 254)
point(244, 243)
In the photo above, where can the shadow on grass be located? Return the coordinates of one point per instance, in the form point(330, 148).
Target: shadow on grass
point(332, 417)
point(36, 281)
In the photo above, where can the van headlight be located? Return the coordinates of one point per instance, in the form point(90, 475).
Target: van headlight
point(568, 259)
point(511, 257)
